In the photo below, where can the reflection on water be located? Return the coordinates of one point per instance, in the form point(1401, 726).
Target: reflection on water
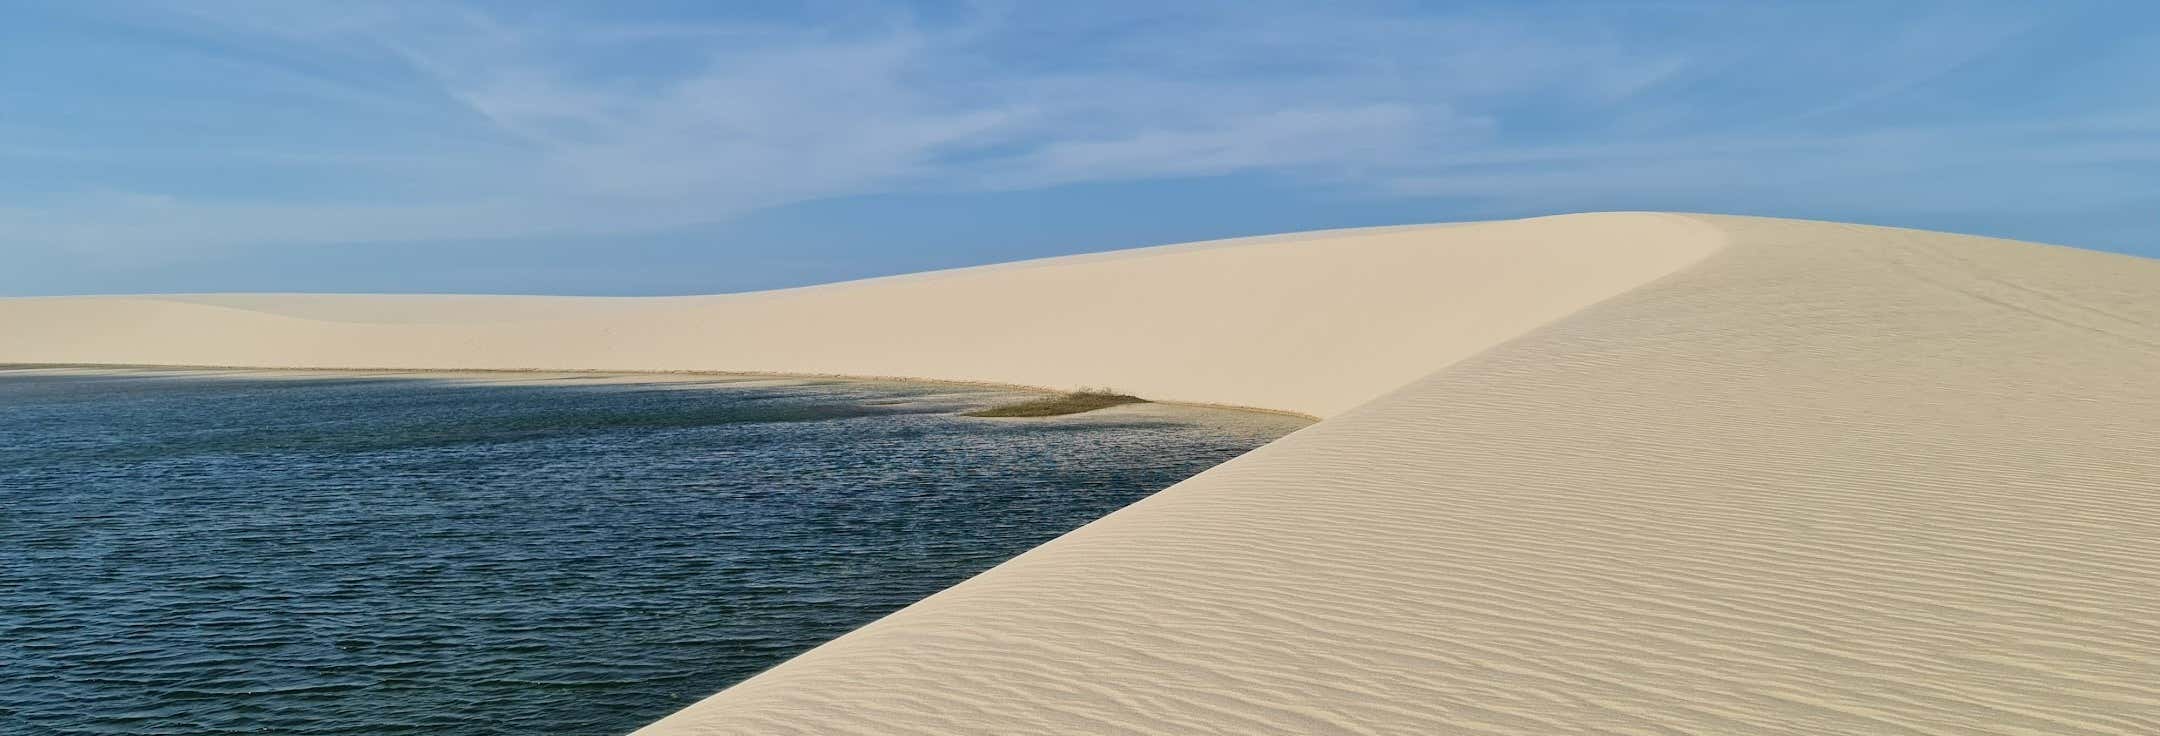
point(184, 552)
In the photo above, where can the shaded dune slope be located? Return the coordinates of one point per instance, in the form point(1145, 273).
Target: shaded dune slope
point(1779, 478)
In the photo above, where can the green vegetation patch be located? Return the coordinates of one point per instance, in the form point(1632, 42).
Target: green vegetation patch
point(1087, 399)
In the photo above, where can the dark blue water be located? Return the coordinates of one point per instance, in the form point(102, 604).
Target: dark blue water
point(350, 554)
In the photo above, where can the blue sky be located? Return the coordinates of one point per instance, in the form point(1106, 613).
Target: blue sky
point(690, 147)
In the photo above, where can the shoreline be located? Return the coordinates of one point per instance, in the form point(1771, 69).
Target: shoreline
point(1624, 471)
point(1045, 390)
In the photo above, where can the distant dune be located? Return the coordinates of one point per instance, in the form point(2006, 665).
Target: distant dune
point(1313, 323)
point(1613, 473)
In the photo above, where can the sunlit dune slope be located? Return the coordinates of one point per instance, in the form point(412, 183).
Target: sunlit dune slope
point(1620, 473)
point(1312, 323)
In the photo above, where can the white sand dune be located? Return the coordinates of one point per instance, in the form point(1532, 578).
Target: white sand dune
point(1313, 323)
point(1617, 473)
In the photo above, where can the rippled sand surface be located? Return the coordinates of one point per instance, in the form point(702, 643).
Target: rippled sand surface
point(1625, 473)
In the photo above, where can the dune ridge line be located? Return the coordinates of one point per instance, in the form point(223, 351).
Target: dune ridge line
point(1312, 323)
point(1610, 473)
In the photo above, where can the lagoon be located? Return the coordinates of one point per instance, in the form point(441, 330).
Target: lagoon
point(213, 552)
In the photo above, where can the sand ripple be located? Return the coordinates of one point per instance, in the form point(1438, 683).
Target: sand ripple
point(1833, 480)
point(1625, 474)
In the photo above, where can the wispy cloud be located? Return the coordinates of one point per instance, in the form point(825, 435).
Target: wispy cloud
point(428, 121)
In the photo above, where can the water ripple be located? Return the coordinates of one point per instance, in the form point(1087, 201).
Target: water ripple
point(361, 555)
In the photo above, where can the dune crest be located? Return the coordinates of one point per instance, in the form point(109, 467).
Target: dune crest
point(1312, 323)
point(1625, 473)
